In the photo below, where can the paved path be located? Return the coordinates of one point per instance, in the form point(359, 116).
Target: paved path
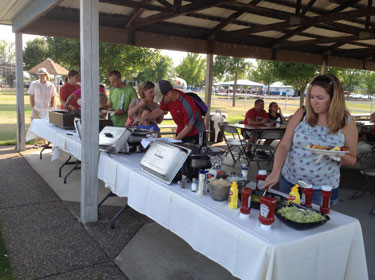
point(45, 239)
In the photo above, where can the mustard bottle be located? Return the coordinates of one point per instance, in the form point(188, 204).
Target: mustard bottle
point(294, 195)
point(233, 196)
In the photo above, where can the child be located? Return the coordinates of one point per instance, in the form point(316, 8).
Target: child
point(368, 133)
point(103, 99)
point(146, 123)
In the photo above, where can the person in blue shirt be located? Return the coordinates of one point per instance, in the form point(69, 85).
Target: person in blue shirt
point(147, 124)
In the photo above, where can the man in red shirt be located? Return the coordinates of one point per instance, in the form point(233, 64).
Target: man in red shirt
point(255, 116)
point(183, 109)
point(68, 89)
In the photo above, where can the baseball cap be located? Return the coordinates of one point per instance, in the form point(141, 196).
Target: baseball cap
point(42, 71)
point(161, 89)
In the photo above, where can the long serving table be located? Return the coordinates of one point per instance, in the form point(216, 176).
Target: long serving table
point(62, 140)
point(332, 251)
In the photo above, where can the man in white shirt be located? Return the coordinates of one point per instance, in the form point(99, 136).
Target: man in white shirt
point(42, 97)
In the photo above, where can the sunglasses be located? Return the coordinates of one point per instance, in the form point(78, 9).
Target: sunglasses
point(323, 79)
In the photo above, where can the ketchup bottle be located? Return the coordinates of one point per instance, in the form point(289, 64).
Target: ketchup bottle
point(326, 199)
point(307, 194)
point(260, 178)
point(245, 202)
point(267, 211)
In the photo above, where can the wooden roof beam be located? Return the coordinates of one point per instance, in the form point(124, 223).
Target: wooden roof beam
point(188, 8)
point(308, 7)
point(165, 3)
point(134, 4)
point(229, 20)
point(307, 21)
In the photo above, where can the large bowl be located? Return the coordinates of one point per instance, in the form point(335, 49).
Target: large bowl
point(301, 226)
point(219, 193)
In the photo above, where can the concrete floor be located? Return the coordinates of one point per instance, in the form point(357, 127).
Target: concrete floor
point(185, 263)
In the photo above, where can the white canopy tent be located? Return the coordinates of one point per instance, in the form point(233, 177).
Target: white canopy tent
point(242, 83)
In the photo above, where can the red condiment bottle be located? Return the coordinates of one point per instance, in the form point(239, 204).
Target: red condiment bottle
point(326, 199)
point(307, 194)
point(245, 202)
point(267, 211)
point(260, 178)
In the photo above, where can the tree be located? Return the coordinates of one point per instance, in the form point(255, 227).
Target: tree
point(128, 60)
point(192, 69)
point(298, 75)
point(368, 78)
point(35, 52)
point(234, 66)
point(264, 72)
point(7, 59)
point(162, 70)
point(349, 78)
point(7, 52)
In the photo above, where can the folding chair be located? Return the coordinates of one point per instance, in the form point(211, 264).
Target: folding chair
point(268, 149)
point(365, 150)
point(236, 144)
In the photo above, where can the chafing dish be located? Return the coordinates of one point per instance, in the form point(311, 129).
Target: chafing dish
point(63, 119)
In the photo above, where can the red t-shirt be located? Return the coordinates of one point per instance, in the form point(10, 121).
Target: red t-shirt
point(65, 91)
point(184, 111)
point(255, 115)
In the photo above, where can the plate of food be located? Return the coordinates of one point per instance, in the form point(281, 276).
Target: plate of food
point(327, 150)
point(300, 217)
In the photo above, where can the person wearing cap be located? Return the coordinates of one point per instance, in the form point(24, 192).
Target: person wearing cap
point(183, 109)
point(120, 97)
point(42, 97)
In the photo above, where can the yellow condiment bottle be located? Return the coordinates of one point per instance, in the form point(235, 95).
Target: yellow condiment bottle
point(294, 195)
point(233, 196)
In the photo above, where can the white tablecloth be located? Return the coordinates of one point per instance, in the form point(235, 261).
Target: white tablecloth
point(332, 251)
point(62, 139)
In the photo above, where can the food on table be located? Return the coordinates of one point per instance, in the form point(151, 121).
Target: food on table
point(220, 182)
point(298, 216)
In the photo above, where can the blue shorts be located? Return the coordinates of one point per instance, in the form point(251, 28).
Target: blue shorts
point(286, 186)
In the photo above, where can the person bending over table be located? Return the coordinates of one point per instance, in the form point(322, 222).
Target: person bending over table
point(255, 116)
point(327, 123)
point(274, 112)
point(120, 96)
point(67, 90)
point(146, 93)
point(183, 109)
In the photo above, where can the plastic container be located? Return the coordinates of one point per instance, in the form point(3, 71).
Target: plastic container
point(219, 193)
point(267, 212)
point(326, 199)
point(260, 178)
point(194, 185)
point(245, 202)
point(233, 196)
point(294, 195)
point(278, 122)
point(244, 171)
point(307, 194)
point(202, 182)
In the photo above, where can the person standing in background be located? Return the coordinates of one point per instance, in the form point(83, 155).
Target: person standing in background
point(66, 90)
point(42, 97)
point(120, 97)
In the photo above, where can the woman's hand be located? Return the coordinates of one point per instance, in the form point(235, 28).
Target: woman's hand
point(270, 181)
point(279, 109)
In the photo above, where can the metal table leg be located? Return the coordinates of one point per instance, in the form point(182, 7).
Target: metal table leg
point(117, 215)
point(76, 167)
point(65, 163)
point(45, 147)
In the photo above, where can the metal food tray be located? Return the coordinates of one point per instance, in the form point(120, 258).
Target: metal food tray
point(163, 160)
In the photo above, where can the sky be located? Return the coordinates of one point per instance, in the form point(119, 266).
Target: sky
point(8, 35)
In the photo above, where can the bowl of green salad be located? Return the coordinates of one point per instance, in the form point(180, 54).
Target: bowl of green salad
point(300, 217)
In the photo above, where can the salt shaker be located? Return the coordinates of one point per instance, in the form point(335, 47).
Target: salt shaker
point(194, 185)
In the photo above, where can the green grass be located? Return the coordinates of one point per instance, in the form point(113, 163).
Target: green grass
point(5, 269)
point(8, 115)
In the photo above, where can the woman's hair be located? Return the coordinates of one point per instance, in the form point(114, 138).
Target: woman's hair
point(337, 111)
point(141, 110)
point(270, 106)
point(143, 87)
point(372, 117)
